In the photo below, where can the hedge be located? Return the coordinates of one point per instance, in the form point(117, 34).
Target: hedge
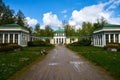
point(5, 47)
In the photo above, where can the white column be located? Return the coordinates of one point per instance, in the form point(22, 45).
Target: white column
point(58, 40)
point(19, 39)
point(100, 40)
point(3, 41)
point(119, 38)
point(8, 38)
point(114, 38)
point(64, 40)
point(61, 40)
point(13, 38)
point(93, 40)
point(103, 40)
point(97, 40)
point(109, 38)
point(54, 40)
point(28, 36)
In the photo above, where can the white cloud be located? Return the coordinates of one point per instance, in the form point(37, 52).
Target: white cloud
point(30, 21)
point(64, 11)
point(52, 20)
point(92, 13)
point(114, 4)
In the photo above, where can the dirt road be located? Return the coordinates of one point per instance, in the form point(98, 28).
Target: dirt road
point(63, 64)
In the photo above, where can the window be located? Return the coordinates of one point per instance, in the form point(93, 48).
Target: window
point(1, 38)
point(6, 38)
point(16, 38)
point(111, 38)
point(11, 38)
point(107, 38)
point(116, 38)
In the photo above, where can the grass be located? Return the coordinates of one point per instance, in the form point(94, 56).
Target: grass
point(106, 59)
point(12, 62)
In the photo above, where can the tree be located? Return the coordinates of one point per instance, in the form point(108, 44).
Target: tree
point(70, 30)
point(6, 14)
point(87, 29)
point(49, 31)
point(37, 30)
point(30, 29)
point(20, 18)
point(100, 23)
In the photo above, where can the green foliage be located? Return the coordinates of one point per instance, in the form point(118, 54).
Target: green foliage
point(11, 63)
point(37, 30)
point(70, 30)
point(110, 46)
point(100, 23)
point(48, 31)
point(39, 43)
point(83, 42)
point(106, 59)
point(9, 47)
point(6, 14)
point(20, 18)
point(87, 28)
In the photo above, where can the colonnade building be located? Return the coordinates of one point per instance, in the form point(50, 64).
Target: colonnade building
point(109, 33)
point(61, 38)
point(14, 33)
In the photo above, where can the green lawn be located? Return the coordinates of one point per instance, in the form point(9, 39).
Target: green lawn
point(12, 62)
point(107, 59)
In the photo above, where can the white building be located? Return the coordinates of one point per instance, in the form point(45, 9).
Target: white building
point(109, 33)
point(59, 36)
point(14, 33)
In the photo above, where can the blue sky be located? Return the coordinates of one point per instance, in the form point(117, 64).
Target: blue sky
point(53, 12)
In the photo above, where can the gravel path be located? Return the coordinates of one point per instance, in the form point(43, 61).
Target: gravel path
point(63, 64)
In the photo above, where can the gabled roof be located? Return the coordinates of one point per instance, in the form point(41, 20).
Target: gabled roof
point(60, 31)
point(13, 27)
point(10, 25)
point(111, 25)
point(73, 36)
point(108, 27)
point(49, 37)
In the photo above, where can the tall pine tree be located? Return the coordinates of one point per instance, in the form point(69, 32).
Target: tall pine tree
point(20, 18)
point(6, 14)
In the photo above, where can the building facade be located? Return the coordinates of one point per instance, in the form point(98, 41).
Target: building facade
point(59, 37)
point(109, 33)
point(14, 33)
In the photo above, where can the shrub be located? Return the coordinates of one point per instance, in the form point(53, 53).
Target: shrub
point(110, 46)
point(83, 42)
point(38, 43)
point(5, 47)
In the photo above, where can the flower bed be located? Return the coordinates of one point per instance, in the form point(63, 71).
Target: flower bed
point(9, 47)
point(112, 47)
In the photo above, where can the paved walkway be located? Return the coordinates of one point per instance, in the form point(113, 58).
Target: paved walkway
point(63, 64)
